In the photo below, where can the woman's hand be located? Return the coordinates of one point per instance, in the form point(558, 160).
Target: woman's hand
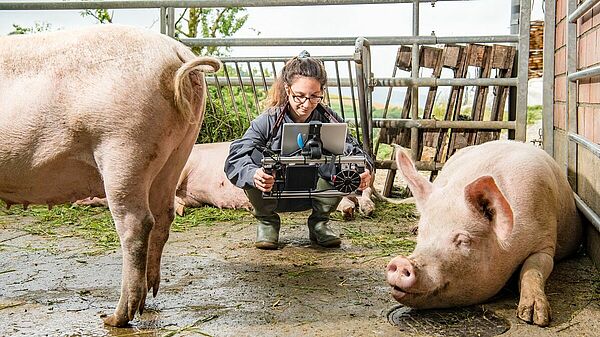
point(263, 181)
point(365, 180)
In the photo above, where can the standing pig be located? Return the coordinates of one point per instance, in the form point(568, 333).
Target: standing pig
point(104, 111)
point(494, 207)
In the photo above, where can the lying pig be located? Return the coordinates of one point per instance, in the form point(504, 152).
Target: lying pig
point(109, 111)
point(494, 207)
point(203, 182)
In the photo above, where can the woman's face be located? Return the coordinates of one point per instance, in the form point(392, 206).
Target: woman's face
point(303, 94)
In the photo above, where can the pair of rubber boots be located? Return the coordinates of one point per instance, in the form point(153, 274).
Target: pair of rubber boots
point(267, 233)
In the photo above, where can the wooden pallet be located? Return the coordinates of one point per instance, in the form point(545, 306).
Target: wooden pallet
point(484, 59)
point(457, 58)
point(430, 58)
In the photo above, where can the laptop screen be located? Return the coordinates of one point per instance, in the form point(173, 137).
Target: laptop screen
point(333, 136)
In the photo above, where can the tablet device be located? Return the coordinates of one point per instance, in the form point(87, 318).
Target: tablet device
point(333, 136)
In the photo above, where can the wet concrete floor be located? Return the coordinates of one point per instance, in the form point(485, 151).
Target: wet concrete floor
point(215, 283)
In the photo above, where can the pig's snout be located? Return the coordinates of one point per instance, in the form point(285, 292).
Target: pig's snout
point(401, 276)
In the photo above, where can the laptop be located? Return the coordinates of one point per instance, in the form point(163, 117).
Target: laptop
point(333, 136)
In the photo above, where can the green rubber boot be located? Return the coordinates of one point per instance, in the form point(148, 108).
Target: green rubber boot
point(319, 231)
point(267, 230)
point(267, 233)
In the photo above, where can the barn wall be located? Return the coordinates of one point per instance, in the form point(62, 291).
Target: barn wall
point(587, 165)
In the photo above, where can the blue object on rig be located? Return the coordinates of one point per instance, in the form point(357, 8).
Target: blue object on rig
point(300, 141)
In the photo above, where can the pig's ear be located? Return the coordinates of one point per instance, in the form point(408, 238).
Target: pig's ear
point(419, 186)
point(484, 196)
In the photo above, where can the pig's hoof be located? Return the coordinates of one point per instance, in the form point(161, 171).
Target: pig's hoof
point(115, 321)
point(535, 310)
point(154, 284)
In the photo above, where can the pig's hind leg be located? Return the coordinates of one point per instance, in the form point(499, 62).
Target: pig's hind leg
point(127, 184)
point(533, 304)
point(162, 199)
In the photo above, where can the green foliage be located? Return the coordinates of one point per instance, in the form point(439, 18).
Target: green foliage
point(96, 225)
point(229, 121)
point(91, 223)
point(534, 114)
point(211, 22)
point(207, 216)
point(102, 15)
point(38, 27)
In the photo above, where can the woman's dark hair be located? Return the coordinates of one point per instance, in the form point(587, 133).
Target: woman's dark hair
point(301, 65)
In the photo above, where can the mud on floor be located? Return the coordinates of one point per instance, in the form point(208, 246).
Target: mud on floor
point(215, 283)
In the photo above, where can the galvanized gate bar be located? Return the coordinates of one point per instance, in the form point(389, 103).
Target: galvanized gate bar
point(588, 212)
point(283, 59)
point(414, 74)
point(117, 4)
point(588, 144)
point(347, 41)
point(574, 139)
point(583, 8)
point(247, 80)
point(571, 115)
point(586, 73)
point(441, 124)
point(523, 69)
point(433, 82)
point(548, 84)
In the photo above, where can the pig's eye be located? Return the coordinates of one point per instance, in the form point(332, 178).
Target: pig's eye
point(462, 240)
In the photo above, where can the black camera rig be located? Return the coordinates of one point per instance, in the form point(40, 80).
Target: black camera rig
point(296, 175)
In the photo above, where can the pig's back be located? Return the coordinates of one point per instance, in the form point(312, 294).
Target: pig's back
point(66, 94)
point(533, 183)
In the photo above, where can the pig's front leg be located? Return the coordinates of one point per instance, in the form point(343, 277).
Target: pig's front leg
point(533, 304)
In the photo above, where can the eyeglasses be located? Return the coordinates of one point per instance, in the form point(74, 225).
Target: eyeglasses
point(302, 99)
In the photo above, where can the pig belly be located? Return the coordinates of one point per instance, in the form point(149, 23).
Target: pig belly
point(55, 183)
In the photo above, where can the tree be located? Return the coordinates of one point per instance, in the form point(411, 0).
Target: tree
point(38, 27)
point(102, 15)
point(211, 22)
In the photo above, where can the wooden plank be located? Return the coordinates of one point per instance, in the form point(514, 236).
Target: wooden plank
point(433, 59)
point(455, 59)
point(481, 58)
point(503, 61)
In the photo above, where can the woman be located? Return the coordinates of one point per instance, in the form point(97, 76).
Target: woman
point(295, 97)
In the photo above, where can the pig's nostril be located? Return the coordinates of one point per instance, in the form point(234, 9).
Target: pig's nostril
point(392, 267)
point(406, 272)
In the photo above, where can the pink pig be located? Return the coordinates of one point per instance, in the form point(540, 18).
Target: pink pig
point(108, 111)
point(203, 182)
point(494, 207)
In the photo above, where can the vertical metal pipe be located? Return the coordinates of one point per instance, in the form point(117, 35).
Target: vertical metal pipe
point(523, 70)
point(339, 87)
point(242, 91)
point(254, 90)
point(262, 74)
point(357, 126)
point(163, 20)
point(361, 58)
point(515, 9)
point(231, 95)
point(171, 21)
point(548, 84)
point(415, 62)
point(571, 115)
point(219, 93)
point(386, 107)
point(213, 110)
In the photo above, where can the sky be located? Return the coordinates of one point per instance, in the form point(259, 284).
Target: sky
point(446, 18)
